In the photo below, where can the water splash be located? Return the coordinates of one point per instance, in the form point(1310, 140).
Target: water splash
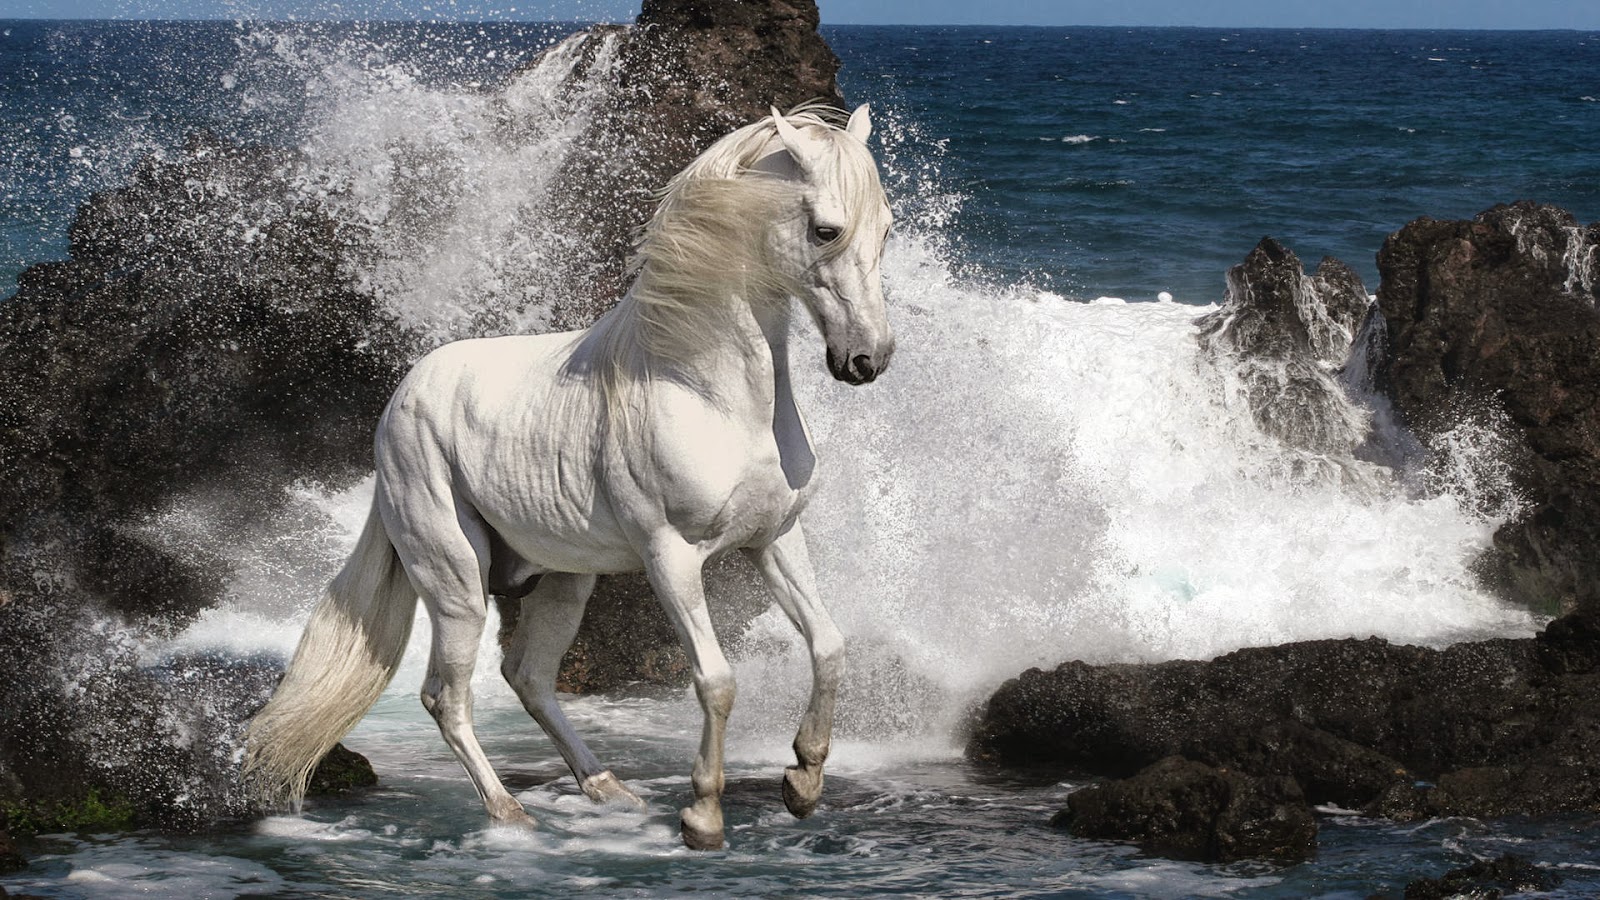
point(1038, 480)
point(445, 191)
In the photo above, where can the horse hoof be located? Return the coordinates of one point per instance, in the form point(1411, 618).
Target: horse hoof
point(701, 831)
point(802, 788)
point(608, 789)
point(515, 818)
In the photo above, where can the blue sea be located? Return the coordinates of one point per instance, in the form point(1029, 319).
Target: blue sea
point(1090, 161)
point(1051, 470)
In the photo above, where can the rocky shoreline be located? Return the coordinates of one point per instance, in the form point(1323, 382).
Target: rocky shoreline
point(1496, 318)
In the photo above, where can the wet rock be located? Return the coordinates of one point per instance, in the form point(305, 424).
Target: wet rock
point(205, 329)
point(1489, 322)
point(1485, 879)
point(1495, 320)
point(1488, 728)
point(204, 324)
point(687, 73)
point(1187, 810)
point(11, 859)
point(1331, 769)
point(140, 746)
point(1289, 337)
point(341, 771)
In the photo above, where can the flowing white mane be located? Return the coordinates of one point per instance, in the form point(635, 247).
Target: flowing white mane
point(709, 247)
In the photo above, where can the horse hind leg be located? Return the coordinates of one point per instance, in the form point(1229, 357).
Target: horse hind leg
point(450, 579)
point(786, 566)
point(546, 624)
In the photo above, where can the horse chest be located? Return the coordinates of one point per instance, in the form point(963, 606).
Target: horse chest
point(728, 490)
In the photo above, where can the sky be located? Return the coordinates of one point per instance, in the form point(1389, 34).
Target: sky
point(1579, 14)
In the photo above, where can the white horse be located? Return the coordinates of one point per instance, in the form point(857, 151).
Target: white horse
point(661, 437)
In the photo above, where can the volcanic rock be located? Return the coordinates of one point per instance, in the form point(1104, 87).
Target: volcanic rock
point(1485, 879)
point(204, 330)
point(341, 771)
point(687, 73)
point(1488, 728)
point(1289, 336)
point(11, 860)
point(1495, 320)
point(1187, 810)
point(1488, 324)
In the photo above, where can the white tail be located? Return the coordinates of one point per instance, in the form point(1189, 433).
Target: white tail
point(346, 657)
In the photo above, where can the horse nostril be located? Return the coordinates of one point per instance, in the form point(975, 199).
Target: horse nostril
point(863, 366)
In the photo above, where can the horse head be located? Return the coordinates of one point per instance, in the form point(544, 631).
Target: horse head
point(834, 246)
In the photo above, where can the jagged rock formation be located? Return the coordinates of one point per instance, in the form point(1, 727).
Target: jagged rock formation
point(1497, 316)
point(1485, 879)
point(1289, 336)
point(1496, 320)
point(689, 72)
point(202, 329)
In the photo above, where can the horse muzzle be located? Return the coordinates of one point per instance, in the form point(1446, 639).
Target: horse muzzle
point(860, 368)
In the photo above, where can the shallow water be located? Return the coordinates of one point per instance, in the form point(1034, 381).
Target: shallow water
point(896, 819)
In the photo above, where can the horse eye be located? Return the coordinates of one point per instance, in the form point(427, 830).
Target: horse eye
point(825, 233)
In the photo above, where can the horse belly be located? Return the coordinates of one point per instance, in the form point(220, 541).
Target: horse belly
point(555, 519)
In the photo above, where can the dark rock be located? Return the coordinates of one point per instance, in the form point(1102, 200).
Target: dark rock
point(205, 324)
point(205, 329)
point(1289, 337)
point(1489, 323)
point(1497, 727)
point(1331, 769)
point(11, 859)
point(341, 771)
point(1188, 810)
point(1495, 319)
point(141, 746)
point(687, 73)
point(1485, 879)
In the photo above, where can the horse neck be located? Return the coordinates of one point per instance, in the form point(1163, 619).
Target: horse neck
point(752, 359)
point(744, 363)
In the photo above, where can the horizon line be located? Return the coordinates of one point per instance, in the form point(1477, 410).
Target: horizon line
point(8, 17)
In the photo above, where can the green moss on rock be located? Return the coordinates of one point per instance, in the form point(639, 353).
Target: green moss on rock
point(94, 812)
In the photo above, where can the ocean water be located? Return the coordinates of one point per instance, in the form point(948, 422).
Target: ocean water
point(1047, 473)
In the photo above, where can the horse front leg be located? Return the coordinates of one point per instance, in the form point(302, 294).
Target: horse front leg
point(674, 569)
point(786, 566)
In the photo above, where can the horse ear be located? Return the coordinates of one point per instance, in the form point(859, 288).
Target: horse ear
point(860, 124)
point(792, 139)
